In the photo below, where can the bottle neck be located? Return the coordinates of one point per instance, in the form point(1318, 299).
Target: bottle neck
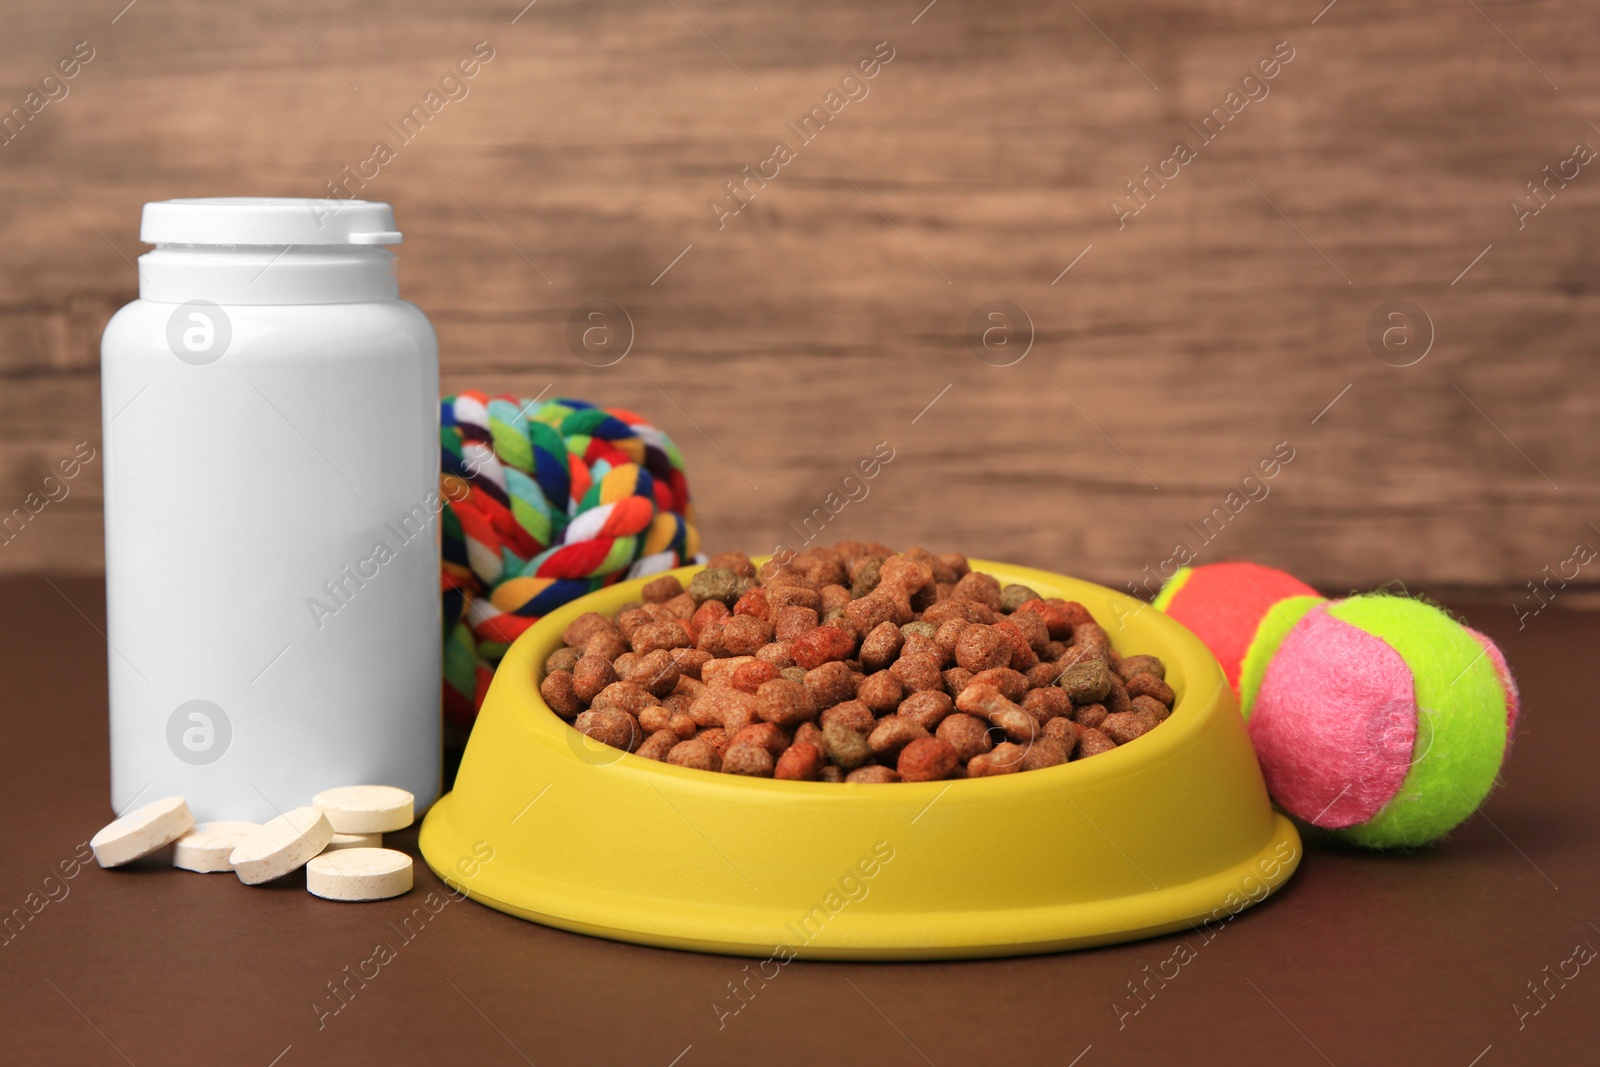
point(267, 274)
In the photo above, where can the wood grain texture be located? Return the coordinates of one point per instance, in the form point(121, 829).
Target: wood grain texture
point(827, 315)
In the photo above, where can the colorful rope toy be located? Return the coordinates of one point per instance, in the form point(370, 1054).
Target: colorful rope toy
point(1378, 718)
point(545, 502)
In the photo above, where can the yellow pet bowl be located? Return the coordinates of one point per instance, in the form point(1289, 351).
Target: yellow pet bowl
point(1171, 830)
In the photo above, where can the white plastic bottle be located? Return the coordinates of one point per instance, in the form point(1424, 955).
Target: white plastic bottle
point(270, 411)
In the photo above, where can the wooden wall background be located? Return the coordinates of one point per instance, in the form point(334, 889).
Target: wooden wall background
point(827, 316)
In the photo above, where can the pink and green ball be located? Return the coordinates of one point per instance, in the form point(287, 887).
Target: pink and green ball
point(1378, 718)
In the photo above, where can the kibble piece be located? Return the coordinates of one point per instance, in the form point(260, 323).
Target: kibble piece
point(1044, 752)
point(654, 635)
point(1091, 743)
point(557, 691)
point(764, 734)
point(958, 608)
point(1014, 596)
point(967, 734)
point(1087, 681)
point(623, 696)
point(793, 673)
point(737, 562)
point(1012, 683)
point(834, 598)
point(875, 609)
point(1132, 665)
point(981, 647)
point(853, 714)
point(800, 596)
point(1157, 711)
point(1148, 685)
point(1116, 698)
point(661, 589)
point(682, 606)
point(721, 706)
point(1065, 731)
point(830, 773)
point(872, 774)
point(141, 832)
point(989, 703)
point(793, 620)
point(924, 629)
point(752, 675)
point(1090, 715)
point(1124, 726)
point(562, 659)
point(822, 645)
point(706, 616)
point(892, 733)
point(800, 762)
point(585, 626)
point(359, 874)
point(776, 653)
point(715, 583)
point(1047, 704)
point(610, 726)
point(881, 645)
point(864, 577)
point(832, 683)
point(808, 733)
point(696, 753)
point(715, 736)
point(845, 746)
point(925, 760)
point(744, 635)
point(917, 673)
point(928, 708)
point(590, 675)
point(881, 692)
point(754, 602)
point(1006, 758)
point(752, 761)
point(1043, 674)
point(983, 588)
point(658, 744)
point(956, 679)
point(608, 644)
point(785, 703)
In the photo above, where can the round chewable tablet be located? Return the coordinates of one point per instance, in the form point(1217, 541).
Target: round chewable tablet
point(208, 847)
point(341, 841)
point(366, 809)
point(359, 874)
point(141, 832)
point(281, 845)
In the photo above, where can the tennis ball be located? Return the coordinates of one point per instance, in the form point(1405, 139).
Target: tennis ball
point(1384, 720)
point(1241, 612)
point(1378, 718)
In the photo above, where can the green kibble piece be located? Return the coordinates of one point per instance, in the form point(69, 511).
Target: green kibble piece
point(1013, 597)
point(794, 674)
point(925, 629)
point(715, 583)
point(844, 746)
point(866, 579)
point(1087, 681)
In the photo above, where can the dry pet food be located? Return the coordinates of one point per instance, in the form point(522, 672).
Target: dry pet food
point(853, 663)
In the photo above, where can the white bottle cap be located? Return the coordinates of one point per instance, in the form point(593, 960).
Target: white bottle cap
point(268, 220)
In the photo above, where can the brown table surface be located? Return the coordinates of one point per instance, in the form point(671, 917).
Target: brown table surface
point(1422, 958)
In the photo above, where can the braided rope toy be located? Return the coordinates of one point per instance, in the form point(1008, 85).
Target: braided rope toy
point(542, 505)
